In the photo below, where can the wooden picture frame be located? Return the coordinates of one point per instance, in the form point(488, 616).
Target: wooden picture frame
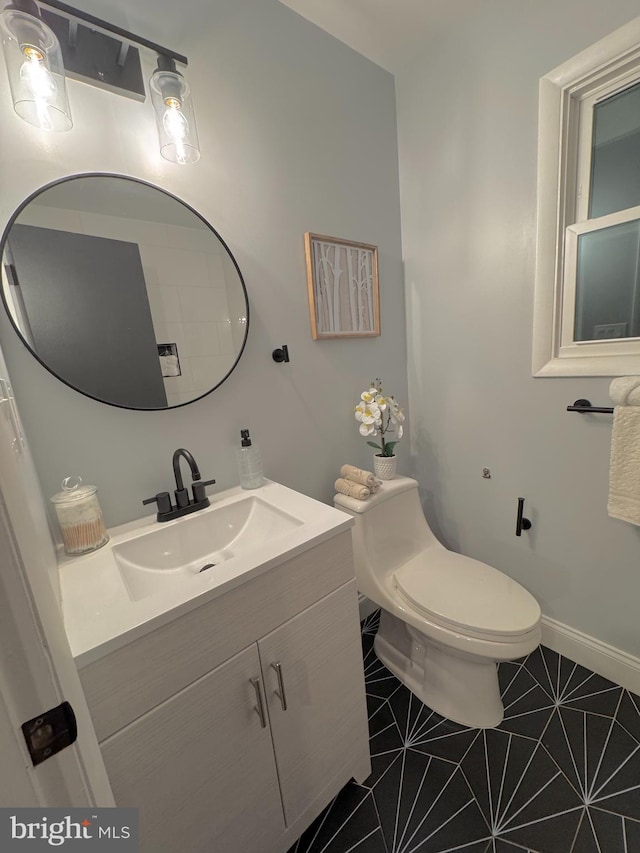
point(342, 277)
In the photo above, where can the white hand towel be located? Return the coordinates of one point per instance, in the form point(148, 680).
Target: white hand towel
point(624, 466)
point(353, 490)
point(358, 475)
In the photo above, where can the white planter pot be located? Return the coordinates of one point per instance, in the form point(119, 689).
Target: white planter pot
point(384, 467)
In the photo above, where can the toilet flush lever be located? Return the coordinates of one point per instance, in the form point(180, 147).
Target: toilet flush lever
point(522, 523)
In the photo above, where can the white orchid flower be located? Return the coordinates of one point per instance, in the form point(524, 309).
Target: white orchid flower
point(379, 416)
point(371, 415)
point(382, 402)
point(395, 412)
point(368, 413)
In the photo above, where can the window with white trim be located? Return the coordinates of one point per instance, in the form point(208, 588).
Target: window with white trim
point(587, 306)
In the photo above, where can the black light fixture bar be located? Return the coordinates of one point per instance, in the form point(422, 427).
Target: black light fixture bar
point(75, 44)
point(94, 56)
point(111, 28)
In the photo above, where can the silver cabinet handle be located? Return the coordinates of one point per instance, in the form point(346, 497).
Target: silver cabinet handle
point(282, 696)
point(259, 708)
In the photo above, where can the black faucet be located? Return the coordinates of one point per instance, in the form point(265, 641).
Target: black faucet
point(184, 505)
point(182, 495)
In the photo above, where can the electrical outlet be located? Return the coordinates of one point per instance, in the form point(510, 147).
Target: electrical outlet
point(609, 330)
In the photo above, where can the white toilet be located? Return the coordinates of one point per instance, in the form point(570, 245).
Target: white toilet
point(446, 619)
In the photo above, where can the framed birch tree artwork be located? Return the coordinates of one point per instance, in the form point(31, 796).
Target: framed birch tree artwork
point(342, 277)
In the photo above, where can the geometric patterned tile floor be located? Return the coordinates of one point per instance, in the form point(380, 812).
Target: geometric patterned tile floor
point(561, 774)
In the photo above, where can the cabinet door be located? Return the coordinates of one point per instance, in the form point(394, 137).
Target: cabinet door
point(324, 726)
point(200, 767)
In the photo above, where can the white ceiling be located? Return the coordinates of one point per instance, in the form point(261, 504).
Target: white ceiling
point(389, 32)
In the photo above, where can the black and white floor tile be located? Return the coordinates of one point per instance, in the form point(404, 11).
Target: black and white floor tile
point(561, 774)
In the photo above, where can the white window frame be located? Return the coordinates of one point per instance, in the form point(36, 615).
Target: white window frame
point(567, 95)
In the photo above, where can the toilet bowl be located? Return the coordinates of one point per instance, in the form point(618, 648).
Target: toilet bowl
point(446, 619)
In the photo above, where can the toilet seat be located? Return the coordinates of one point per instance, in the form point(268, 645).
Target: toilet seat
point(464, 595)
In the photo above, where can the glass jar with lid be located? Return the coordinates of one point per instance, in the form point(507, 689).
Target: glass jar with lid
point(80, 517)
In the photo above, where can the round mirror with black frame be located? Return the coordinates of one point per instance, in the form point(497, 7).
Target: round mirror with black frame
point(123, 291)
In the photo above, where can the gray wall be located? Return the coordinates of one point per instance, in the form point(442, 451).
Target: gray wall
point(298, 133)
point(467, 114)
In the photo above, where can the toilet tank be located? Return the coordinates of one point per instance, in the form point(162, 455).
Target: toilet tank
point(389, 529)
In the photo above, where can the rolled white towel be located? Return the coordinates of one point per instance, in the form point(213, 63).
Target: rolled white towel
point(625, 391)
point(358, 475)
point(353, 490)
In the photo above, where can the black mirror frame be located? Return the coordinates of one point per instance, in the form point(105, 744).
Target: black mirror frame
point(66, 179)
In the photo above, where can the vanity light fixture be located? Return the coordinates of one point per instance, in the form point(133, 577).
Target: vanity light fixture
point(45, 42)
point(175, 118)
point(35, 67)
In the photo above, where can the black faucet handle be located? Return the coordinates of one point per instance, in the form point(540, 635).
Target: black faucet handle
point(163, 500)
point(182, 497)
point(199, 494)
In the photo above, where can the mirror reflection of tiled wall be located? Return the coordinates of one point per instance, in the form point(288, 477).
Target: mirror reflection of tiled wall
point(187, 272)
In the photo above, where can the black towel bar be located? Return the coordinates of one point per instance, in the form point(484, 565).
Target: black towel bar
point(584, 406)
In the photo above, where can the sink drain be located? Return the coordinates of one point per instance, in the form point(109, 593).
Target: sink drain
point(206, 566)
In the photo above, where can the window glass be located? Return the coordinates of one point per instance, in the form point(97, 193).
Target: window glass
point(607, 304)
point(615, 153)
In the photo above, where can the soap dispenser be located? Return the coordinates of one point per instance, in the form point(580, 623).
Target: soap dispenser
point(249, 462)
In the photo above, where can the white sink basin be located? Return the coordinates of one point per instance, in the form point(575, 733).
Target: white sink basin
point(176, 552)
point(149, 573)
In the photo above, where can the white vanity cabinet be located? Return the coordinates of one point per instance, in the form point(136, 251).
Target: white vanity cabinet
point(316, 710)
point(200, 767)
point(239, 751)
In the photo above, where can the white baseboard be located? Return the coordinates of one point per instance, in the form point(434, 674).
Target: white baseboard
point(607, 661)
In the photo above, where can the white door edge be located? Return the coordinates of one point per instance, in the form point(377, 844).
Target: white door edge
point(37, 673)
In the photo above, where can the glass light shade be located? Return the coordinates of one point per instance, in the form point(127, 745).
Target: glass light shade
point(36, 71)
point(175, 117)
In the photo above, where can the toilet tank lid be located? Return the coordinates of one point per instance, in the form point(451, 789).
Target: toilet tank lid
point(387, 490)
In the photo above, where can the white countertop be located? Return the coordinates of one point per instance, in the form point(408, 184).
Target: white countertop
point(99, 613)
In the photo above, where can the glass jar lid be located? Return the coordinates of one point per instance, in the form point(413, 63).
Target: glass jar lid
point(73, 491)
